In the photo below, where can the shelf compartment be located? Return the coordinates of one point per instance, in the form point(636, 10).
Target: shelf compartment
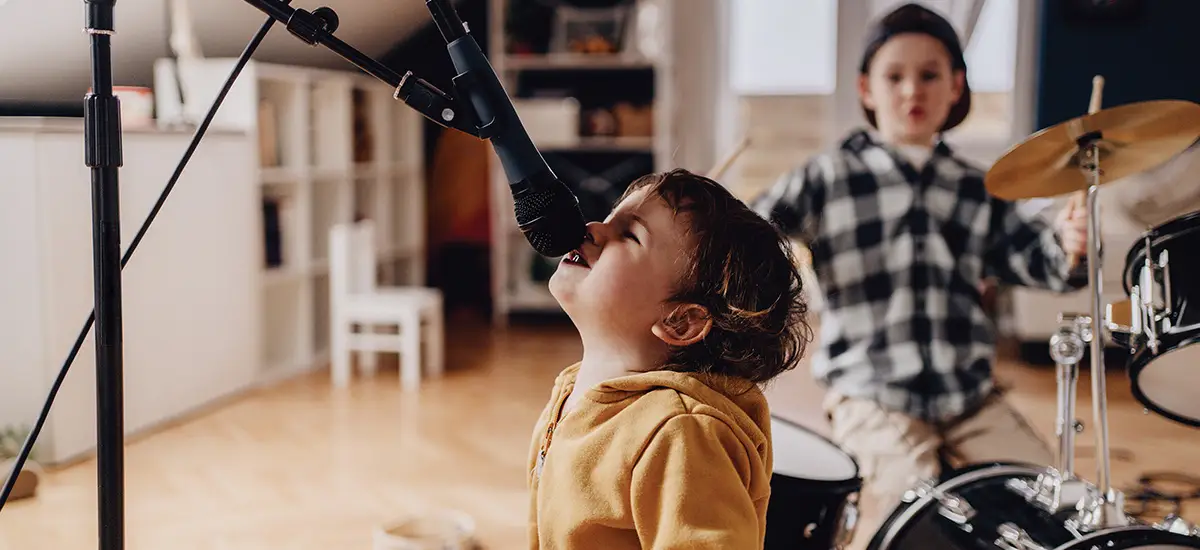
point(332, 203)
point(332, 125)
point(281, 119)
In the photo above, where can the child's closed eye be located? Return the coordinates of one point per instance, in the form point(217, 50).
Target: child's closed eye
point(630, 235)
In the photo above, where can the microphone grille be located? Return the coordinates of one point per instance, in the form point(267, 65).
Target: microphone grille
point(531, 206)
point(551, 221)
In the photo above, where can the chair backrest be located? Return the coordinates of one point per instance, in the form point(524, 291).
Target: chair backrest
point(352, 258)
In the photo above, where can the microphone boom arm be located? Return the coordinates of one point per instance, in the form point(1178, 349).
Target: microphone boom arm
point(317, 28)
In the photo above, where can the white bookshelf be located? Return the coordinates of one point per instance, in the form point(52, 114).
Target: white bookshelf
point(513, 288)
point(319, 174)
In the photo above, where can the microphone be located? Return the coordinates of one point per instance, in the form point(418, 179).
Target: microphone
point(547, 213)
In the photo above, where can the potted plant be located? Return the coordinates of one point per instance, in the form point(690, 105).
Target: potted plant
point(11, 440)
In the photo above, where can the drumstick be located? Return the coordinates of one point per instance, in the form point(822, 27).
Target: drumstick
point(717, 170)
point(1093, 107)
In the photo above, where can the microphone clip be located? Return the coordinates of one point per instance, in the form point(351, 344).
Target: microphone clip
point(438, 106)
point(442, 108)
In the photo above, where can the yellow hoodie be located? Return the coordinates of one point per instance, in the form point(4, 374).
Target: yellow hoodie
point(652, 460)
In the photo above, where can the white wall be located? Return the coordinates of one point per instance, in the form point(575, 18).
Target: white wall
point(45, 56)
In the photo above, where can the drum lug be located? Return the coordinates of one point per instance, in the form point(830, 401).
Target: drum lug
point(955, 509)
point(845, 534)
point(1044, 491)
point(1015, 538)
point(952, 507)
point(1178, 525)
point(923, 489)
point(1098, 511)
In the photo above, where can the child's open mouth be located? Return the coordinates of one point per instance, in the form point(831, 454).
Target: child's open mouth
point(575, 258)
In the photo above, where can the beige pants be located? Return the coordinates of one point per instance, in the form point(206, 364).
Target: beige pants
point(894, 451)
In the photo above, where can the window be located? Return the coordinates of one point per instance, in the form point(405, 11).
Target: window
point(790, 47)
point(783, 47)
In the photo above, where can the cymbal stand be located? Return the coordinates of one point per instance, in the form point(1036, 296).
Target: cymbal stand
point(1105, 507)
point(1058, 487)
point(1066, 348)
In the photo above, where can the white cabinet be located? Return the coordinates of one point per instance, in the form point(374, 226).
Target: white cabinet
point(190, 291)
point(205, 314)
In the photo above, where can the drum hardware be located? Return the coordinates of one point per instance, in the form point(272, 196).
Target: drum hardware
point(950, 506)
point(1066, 348)
point(1175, 524)
point(1150, 303)
point(1013, 537)
point(1099, 510)
point(1164, 324)
point(1004, 519)
point(1083, 154)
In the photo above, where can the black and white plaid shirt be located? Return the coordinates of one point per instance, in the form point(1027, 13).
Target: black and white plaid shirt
point(900, 253)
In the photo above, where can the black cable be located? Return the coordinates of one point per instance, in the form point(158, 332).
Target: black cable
point(1158, 501)
point(162, 198)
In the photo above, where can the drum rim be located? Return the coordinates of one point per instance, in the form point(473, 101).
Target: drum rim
point(1141, 360)
point(853, 482)
point(1159, 536)
point(1159, 234)
point(893, 524)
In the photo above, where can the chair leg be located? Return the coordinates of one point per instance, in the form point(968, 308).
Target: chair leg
point(435, 343)
point(369, 359)
point(410, 354)
point(339, 352)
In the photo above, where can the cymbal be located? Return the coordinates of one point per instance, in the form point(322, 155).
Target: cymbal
point(1134, 138)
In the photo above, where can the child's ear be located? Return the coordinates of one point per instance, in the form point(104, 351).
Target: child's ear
point(960, 82)
point(684, 326)
point(864, 92)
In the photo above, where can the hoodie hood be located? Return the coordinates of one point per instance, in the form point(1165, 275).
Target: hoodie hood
point(739, 402)
point(615, 469)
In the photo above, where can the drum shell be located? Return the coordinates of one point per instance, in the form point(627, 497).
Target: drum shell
point(1133, 537)
point(1180, 239)
point(983, 486)
point(807, 514)
point(810, 513)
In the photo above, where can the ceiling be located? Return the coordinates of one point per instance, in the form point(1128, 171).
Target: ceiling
point(51, 61)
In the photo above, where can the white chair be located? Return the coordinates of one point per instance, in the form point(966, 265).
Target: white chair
point(356, 299)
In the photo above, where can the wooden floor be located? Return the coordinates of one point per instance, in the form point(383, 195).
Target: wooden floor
point(303, 466)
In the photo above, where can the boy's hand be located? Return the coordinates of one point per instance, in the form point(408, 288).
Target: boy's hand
point(1072, 227)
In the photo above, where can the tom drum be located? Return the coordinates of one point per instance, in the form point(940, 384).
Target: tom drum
point(1159, 324)
point(814, 491)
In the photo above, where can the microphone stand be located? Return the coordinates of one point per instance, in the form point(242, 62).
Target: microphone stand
point(103, 155)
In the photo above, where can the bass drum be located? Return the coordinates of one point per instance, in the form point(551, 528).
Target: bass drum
point(814, 491)
point(1164, 366)
point(976, 508)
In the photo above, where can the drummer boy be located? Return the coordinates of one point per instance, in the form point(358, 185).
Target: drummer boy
point(902, 234)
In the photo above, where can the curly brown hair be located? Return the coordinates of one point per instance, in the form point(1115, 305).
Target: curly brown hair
point(743, 272)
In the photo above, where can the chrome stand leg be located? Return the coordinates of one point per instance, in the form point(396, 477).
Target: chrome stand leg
point(1066, 348)
point(1106, 507)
